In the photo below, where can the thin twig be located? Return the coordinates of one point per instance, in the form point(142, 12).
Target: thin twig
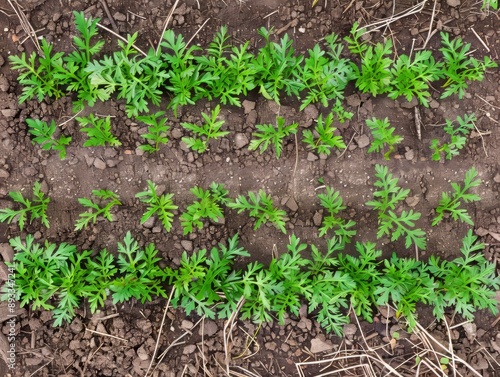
point(123, 39)
point(161, 329)
point(482, 138)
point(430, 33)
point(104, 334)
point(480, 40)
point(166, 24)
point(26, 25)
point(197, 31)
point(110, 17)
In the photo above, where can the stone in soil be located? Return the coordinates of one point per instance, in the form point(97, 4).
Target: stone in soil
point(318, 345)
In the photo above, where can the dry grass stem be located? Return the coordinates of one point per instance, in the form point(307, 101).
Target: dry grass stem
point(120, 37)
point(166, 24)
point(107, 335)
point(25, 24)
point(197, 31)
point(387, 21)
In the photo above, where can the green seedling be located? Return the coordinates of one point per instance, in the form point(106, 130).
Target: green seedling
point(35, 208)
point(37, 74)
point(467, 283)
point(137, 79)
point(385, 201)
point(231, 66)
point(186, 80)
point(458, 137)
point(260, 206)
point(210, 130)
point(450, 204)
point(106, 198)
point(270, 135)
point(460, 67)
point(383, 136)
point(44, 135)
point(374, 77)
point(332, 202)
point(72, 73)
point(411, 78)
point(98, 131)
point(204, 279)
point(490, 4)
point(276, 66)
point(157, 131)
point(324, 139)
point(208, 206)
point(325, 74)
point(162, 205)
point(141, 276)
point(288, 269)
point(366, 275)
point(101, 270)
point(404, 282)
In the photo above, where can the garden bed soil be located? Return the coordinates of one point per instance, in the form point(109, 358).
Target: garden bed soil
point(83, 348)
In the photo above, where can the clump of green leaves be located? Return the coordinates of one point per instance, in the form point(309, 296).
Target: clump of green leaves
point(383, 136)
point(458, 137)
point(208, 206)
point(467, 283)
point(35, 208)
point(37, 74)
point(405, 282)
point(385, 201)
point(106, 201)
point(374, 76)
point(460, 67)
point(325, 74)
point(490, 4)
point(44, 135)
point(261, 207)
point(411, 78)
point(450, 204)
point(137, 79)
point(231, 66)
point(210, 130)
point(101, 270)
point(187, 81)
point(72, 73)
point(163, 205)
point(275, 67)
point(270, 135)
point(141, 276)
point(157, 131)
point(204, 279)
point(323, 140)
point(98, 131)
point(332, 202)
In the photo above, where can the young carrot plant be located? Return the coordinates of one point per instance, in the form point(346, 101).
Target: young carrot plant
point(467, 283)
point(141, 276)
point(106, 198)
point(459, 67)
point(98, 131)
point(231, 66)
point(411, 78)
point(101, 270)
point(44, 135)
point(332, 202)
point(210, 130)
point(208, 206)
point(383, 136)
point(162, 205)
point(458, 137)
point(35, 208)
point(450, 204)
point(324, 139)
point(325, 74)
point(260, 206)
point(270, 135)
point(157, 131)
point(276, 67)
point(385, 201)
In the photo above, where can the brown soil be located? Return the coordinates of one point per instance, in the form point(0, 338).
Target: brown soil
point(72, 350)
